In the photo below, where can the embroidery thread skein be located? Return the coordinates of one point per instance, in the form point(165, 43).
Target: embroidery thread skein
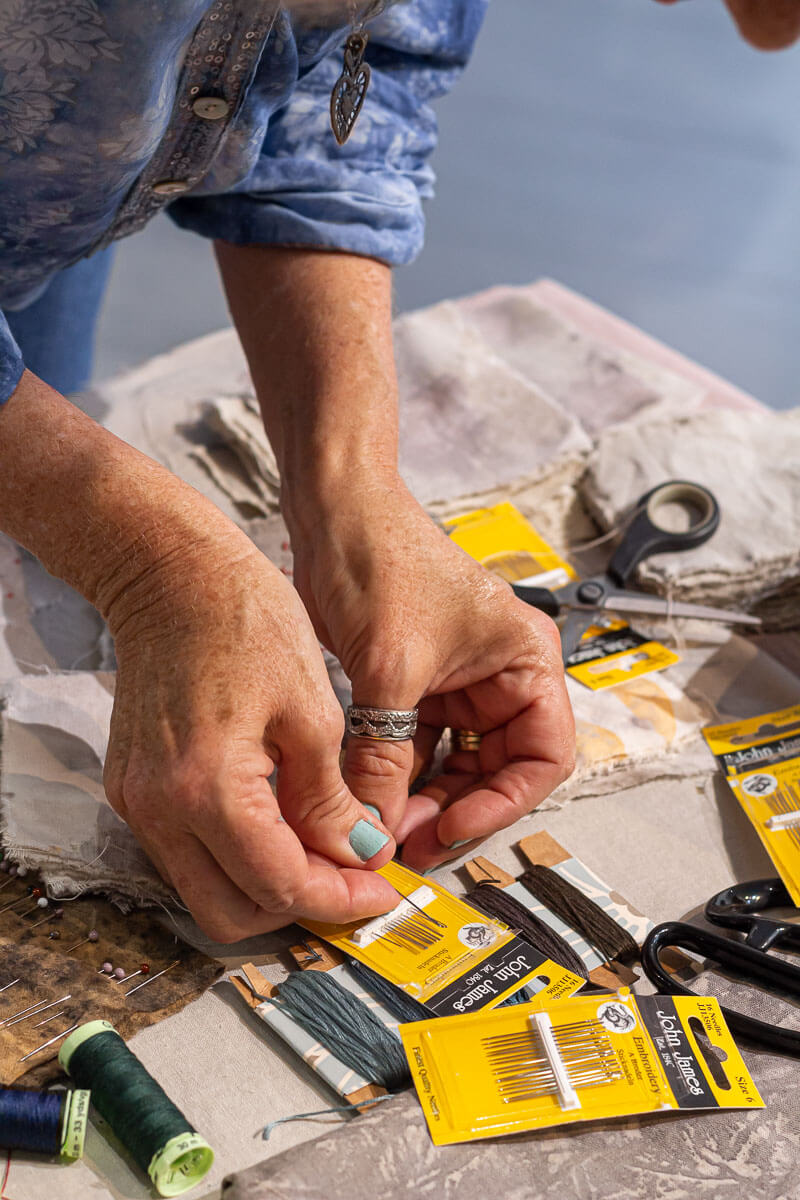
point(345, 1026)
point(580, 913)
point(496, 902)
point(402, 1006)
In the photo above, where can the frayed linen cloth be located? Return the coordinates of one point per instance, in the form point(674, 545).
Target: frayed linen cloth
point(751, 462)
point(495, 390)
point(54, 816)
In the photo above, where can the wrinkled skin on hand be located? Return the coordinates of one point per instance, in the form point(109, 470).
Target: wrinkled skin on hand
point(220, 679)
point(415, 621)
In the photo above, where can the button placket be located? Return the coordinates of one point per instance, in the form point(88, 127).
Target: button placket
point(191, 141)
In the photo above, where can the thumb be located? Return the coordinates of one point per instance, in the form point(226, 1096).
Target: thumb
point(315, 800)
point(376, 770)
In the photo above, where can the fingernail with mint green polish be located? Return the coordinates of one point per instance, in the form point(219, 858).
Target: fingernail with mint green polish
point(458, 845)
point(366, 840)
point(376, 812)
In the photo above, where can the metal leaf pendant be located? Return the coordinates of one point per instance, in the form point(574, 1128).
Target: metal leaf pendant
point(347, 97)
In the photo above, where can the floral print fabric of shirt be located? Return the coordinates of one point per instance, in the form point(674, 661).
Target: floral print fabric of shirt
point(92, 91)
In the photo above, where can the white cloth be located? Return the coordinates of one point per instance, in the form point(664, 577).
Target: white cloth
point(751, 462)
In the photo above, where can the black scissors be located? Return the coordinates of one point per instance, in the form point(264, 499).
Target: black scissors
point(586, 598)
point(738, 908)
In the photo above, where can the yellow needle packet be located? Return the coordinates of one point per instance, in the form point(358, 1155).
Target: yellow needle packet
point(501, 539)
point(445, 953)
point(531, 1066)
point(761, 761)
point(610, 652)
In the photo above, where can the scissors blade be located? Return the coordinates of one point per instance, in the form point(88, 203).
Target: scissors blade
point(627, 602)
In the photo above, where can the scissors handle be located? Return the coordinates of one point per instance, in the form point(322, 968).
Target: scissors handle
point(740, 960)
point(649, 534)
point(740, 907)
point(538, 597)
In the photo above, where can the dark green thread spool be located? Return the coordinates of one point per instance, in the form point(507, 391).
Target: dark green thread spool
point(139, 1111)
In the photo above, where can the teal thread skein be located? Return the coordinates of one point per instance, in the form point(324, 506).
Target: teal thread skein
point(160, 1139)
point(346, 1027)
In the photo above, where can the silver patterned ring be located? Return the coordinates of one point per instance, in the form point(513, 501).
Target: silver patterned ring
point(382, 724)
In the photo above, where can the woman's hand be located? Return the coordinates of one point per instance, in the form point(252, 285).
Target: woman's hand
point(415, 621)
point(412, 618)
point(220, 679)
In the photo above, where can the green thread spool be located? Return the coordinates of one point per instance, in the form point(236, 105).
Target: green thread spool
point(139, 1111)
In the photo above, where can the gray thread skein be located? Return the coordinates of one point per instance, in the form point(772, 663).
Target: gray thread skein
point(496, 902)
point(580, 913)
point(345, 1026)
point(402, 1006)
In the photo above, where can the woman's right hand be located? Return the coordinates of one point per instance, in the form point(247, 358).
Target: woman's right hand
point(220, 680)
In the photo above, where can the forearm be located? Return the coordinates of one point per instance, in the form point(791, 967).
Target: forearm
point(96, 512)
point(316, 329)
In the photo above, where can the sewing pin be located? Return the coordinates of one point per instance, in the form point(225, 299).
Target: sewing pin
point(6, 986)
point(12, 875)
point(47, 1020)
point(145, 982)
point(57, 1038)
point(55, 915)
point(42, 902)
point(35, 893)
point(144, 969)
point(94, 936)
point(39, 1011)
point(30, 1008)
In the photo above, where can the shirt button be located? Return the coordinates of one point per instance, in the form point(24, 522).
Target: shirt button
point(211, 108)
point(170, 187)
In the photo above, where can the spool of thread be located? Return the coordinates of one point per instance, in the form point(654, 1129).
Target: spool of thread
point(44, 1122)
point(141, 1114)
point(338, 1020)
point(580, 913)
point(495, 902)
point(402, 1006)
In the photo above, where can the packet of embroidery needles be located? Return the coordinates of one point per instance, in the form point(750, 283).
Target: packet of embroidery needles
point(761, 761)
point(610, 652)
point(532, 1066)
point(501, 540)
point(445, 953)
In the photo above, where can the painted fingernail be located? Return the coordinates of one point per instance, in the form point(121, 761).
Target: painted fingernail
point(457, 845)
point(366, 840)
point(376, 812)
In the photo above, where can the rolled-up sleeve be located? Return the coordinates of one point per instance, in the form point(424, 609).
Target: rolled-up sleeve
point(366, 196)
point(11, 364)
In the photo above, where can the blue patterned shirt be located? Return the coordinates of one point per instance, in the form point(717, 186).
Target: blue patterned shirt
point(110, 110)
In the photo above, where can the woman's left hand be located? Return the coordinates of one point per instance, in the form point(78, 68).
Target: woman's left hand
point(415, 621)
